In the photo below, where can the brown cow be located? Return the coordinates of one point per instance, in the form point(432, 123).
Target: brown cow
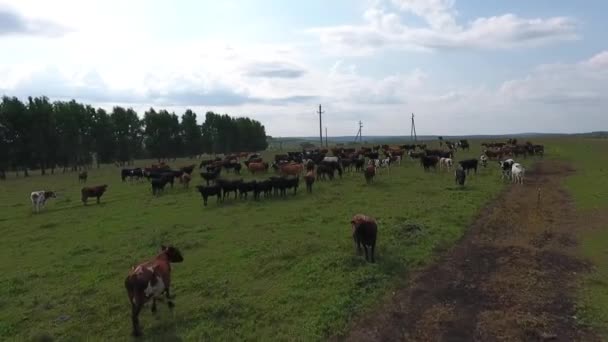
point(291, 169)
point(96, 191)
point(257, 167)
point(149, 280)
point(365, 231)
point(310, 180)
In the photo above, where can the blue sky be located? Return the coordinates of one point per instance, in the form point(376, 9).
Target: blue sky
point(463, 67)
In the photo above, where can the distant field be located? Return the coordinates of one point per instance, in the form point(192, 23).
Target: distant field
point(270, 270)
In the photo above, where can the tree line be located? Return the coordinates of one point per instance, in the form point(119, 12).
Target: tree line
point(45, 135)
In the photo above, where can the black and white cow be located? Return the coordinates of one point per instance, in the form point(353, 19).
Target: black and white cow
point(39, 198)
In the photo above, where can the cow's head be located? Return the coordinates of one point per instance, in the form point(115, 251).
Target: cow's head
point(50, 194)
point(172, 253)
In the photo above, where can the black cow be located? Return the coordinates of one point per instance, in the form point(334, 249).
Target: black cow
point(469, 164)
point(158, 185)
point(325, 170)
point(428, 162)
point(211, 175)
point(359, 164)
point(260, 187)
point(207, 191)
point(245, 188)
point(460, 176)
point(229, 186)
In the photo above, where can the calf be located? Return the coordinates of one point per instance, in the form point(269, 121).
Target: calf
point(39, 199)
point(469, 164)
point(460, 176)
point(445, 163)
point(82, 177)
point(96, 191)
point(207, 191)
point(518, 173)
point(150, 280)
point(310, 180)
point(370, 173)
point(365, 232)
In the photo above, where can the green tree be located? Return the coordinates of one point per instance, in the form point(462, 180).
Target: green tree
point(192, 134)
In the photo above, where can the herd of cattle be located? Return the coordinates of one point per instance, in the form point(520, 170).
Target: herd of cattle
point(312, 165)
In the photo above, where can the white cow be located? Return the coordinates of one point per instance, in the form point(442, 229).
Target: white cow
point(518, 173)
point(39, 199)
point(484, 160)
point(446, 163)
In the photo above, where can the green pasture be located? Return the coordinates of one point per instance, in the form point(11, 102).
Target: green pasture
point(277, 269)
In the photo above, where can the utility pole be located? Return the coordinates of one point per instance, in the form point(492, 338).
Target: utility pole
point(359, 133)
point(413, 135)
point(326, 144)
point(320, 127)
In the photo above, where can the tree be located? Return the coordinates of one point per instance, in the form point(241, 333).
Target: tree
point(102, 130)
point(43, 132)
point(192, 134)
point(127, 133)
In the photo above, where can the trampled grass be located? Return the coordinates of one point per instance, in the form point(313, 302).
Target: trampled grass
point(278, 269)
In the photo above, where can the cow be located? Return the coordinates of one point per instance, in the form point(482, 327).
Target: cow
point(208, 191)
point(464, 145)
point(245, 188)
point(291, 169)
point(185, 179)
point(95, 191)
point(39, 199)
point(336, 166)
point(310, 180)
point(416, 155)
point(158, 185)
point(150, 280)
point(325, 170)
point(82, 177)
point(370, 173)
point(229, 186)
point(359, 164)
point(445, 163)
point(383, 164)
point(211, 175)
point(469, 164)
point(365, 232)
point(484, 160)
point(429, 162)
point(460, 176)
point(332, 159)
point(187, 169)
point(257, 167)
point(205, 163)
point(262, 187)
point(506, 167)
point(518, 173)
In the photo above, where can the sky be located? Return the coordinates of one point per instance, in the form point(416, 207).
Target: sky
point(462, 67)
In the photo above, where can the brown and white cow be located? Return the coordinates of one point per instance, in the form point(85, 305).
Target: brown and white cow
point(150, 280)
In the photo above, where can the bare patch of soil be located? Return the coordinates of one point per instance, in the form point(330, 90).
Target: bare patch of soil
point(511, 278)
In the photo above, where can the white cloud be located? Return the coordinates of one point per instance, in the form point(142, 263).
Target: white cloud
point(385, 29)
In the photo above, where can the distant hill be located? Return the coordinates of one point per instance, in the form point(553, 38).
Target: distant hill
point(370, 138)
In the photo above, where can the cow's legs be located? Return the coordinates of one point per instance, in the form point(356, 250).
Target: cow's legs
point(170, 303)
point(136, 305)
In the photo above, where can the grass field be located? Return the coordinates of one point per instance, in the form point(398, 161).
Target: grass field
point(589, 186)
point(269, 270)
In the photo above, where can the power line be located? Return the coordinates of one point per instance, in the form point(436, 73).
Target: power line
point(360, 132)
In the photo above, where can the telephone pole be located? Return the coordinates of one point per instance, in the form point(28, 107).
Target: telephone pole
point(326, 144)
point(359, 133)
point(320, 127)
point(413, 135)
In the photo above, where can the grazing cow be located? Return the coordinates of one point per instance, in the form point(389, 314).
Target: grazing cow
point(211, 175)
point(95, 191)
point(446, 163)
point(518, 173)
point(291, 169)
point(370, 173)
point(505, 167)
point(484, 160)
point(416, 155)
point(39, 199)
point(365, 232)
point(185, 179)
point(245, 188)
point(429, 162)
point(460, 176)
point(310, 180)
point(469, 164)
point(257, 167)
point(82, 177)
point(207, 191)
point(150, 280)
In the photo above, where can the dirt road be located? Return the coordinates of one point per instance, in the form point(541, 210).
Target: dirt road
point(511, 277)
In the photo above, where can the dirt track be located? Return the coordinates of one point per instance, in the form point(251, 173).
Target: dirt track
point(511, 277)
